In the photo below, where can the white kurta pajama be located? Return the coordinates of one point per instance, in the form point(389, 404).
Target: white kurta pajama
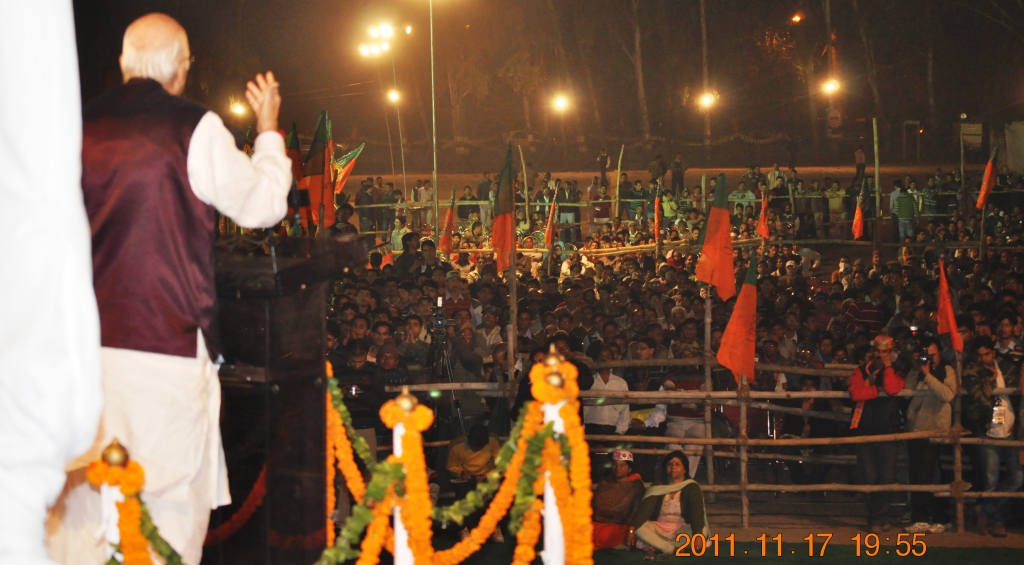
point(164, 408)
point(50, 396)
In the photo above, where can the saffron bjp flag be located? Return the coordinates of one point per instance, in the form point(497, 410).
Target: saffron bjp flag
point(762, 222)
point(714, 266)
point(503, 238)
point(317, 172)
point(657, 215)
point(858, 222)
point(294, 152)
point(444, 245)
point(737, 350)
point(945, 315)
point(988, 181)
point(549, 233)
point(344, 167)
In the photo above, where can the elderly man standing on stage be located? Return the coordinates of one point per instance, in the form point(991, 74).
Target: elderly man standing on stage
point(156, 169)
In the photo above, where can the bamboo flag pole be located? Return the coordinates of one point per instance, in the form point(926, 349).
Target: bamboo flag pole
point(958, 459)
point(709, 457)
point(526, 190)
point(618, 175)
point(878, 188)
point(744, 496)
point(513, 291)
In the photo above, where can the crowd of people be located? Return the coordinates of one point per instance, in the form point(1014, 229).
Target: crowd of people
point(878, 314)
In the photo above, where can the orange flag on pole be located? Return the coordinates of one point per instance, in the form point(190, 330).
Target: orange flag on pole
point(714, 266)
point(549, 232)
point(988, 182)
point(657, 215)
point(444, 245)
point(762, 222)
point(858, 222)
point(503, 239)
point(737, 350)
point(946, 317)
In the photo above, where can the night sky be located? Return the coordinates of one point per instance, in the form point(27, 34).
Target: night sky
point(312, 46)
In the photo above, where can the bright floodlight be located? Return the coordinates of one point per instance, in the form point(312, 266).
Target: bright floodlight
point(408, 30)
point(707, 100)
point(364, 50)
point(796, 18)
point(386, 30)
point(384, 46)
point(830, 86)
point(237, 108)
point(375, 49)
point(393, 95)
point(374, 33)
point(561, 103)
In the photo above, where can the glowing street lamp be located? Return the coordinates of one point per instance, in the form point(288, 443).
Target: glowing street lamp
point(364, 50)
point(237, 108)
point(408, 30)
point(830, 86)
point(560, 103)
point(385, 30)
point(796, 18)
point(373, 32)
point(707, 100)
point(393, 95)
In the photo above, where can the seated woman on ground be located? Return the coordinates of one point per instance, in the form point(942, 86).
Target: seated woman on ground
point(615, 501)
point(668, 510)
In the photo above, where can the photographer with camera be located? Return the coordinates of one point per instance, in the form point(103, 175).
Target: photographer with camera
point(873, 386)
point(932, 374)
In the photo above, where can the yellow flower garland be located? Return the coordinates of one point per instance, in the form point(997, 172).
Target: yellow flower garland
point(581, 551)
point(503, 498)
point(376, 532)
point(332, 501)
point(134, 546)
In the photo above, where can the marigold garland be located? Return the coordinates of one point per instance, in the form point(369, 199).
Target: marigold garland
point(331, 439)
point(416, 506)
point(529, 533)
point(502, 498)
point(376, 532)
point(559, 479)
point(581, 551)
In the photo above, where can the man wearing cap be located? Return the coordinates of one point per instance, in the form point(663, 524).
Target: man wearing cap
point(615, 501)
point(453, 298)
point(873, 386)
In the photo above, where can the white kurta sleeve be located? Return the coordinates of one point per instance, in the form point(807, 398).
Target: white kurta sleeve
point(252, 192)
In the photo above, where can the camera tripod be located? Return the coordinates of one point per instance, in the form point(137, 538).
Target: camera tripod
point(439, 361)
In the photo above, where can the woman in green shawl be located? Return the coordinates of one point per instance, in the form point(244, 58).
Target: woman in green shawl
point(669, 510)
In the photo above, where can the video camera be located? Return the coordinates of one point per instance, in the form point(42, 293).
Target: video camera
point(438, 324)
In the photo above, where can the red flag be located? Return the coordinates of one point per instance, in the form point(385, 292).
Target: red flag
point(444, 245)
point(317, 171)
point(762, 222)
point(549, 233)
point(988, 181)
point(737, 350)
point(714, 266)
point(347, 164)
point(858, 222)
point(503, 239)
point(657, 215)
point(947, 320)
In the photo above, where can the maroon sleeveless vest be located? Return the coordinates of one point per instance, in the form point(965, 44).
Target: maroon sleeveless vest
point(152, 239)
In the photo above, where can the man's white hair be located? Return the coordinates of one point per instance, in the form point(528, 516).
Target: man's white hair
point(153, 46)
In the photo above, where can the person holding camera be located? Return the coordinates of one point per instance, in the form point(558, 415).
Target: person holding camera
point(873, 386)
point(933, 375)
point(993, 416)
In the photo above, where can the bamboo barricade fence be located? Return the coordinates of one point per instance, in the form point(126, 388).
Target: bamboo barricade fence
point(745, 399)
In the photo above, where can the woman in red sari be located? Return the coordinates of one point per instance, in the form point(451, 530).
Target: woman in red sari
point(615, 501)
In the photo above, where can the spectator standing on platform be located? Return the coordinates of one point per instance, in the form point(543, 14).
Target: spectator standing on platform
point(678, 172)
point(873, 386)
point(604, 162)
point(859, 162)
point(994, 416)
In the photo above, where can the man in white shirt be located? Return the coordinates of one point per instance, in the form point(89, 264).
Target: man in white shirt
point(607, 418)
point(50, 385)
point(156, 169)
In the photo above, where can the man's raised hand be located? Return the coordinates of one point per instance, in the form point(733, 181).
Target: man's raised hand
point(264, 96)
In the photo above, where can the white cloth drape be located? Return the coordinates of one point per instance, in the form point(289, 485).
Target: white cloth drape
point(49, 330)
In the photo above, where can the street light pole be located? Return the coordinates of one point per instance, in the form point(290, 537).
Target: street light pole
point(398, 112)
point(704, 59)
point(433, 112)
